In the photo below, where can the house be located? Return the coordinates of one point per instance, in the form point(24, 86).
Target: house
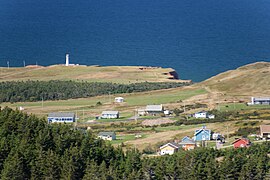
point(202, 134)
point(107, 136)
point(204, 114)
point(187, 143)
point(241, 142)
point(260, 101)
point(61, 117)
point(154, 109)
point(265, 131)
point(119, 99)
point(110, 115)
point(169, 148)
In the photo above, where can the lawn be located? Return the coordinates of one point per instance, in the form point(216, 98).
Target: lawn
point(127, 137)
point(240, 106)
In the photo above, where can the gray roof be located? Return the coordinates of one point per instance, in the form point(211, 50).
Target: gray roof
point(110, 112)
point(262, 99)
point(106, 133)
point(154, 108)
point(173, 144)
point(61, 114)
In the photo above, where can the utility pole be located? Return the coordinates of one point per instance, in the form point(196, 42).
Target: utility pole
point(42, 103)
point(110, 97)
point(83, 114)
point(135, 115)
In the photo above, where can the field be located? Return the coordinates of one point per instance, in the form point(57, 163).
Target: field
point(241, 106)
point(87, 108)
point(115, 74)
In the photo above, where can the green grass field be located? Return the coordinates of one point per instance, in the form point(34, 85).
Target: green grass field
point(241, 106)
point(87, 108)
point(116, 74)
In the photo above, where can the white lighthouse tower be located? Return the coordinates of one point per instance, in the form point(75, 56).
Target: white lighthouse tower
point(67, 59)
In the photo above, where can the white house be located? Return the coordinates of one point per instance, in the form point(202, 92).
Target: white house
point(110, 115)
point(204, 114)
point(119, 99)
point(61, 117)
point(154, 109)
point(107, 136)
point(260, 101)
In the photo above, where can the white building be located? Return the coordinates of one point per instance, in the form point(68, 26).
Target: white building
point(260, 101)
point(119, 99)
point(204, 114)
point(61, 117)
point(154, 109)
point(107, 136)
point(110, 115)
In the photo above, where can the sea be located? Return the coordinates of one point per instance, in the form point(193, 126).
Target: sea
point(198, 38)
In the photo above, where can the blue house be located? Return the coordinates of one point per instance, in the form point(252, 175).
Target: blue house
point(202, 134)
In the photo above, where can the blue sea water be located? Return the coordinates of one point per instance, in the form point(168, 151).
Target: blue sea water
point(197, 38)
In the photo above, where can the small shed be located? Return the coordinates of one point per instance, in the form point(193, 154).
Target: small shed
point(119, 99)
point(110, 115)
point(241, 142)
point(107, 136)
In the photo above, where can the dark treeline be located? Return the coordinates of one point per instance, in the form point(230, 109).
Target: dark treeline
point(32, 149)
point(21, 91)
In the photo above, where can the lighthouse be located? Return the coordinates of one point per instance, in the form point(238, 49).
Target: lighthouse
point(67, 59)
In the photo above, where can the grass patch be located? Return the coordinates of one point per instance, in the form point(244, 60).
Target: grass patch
point(241, 106)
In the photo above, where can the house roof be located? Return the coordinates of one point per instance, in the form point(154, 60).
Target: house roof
point(119, 98)
point(172, 144)
point(201, 112)
point(200, 130)
point(246, 140)
point(154, 107)
point(187, 140)
point(265, 128)
point(106, 133)
point(61, 114)
point(110, 112)
point(262, 99)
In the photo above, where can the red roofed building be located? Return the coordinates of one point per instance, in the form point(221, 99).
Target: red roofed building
point(241, 142)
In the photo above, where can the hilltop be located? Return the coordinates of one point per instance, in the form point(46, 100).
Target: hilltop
point(116, 74)
point(251, 79)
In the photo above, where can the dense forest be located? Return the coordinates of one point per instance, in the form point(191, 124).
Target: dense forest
point(32, 149)
point(21, 91)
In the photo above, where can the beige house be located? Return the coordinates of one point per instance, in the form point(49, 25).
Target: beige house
point(265, 131)
point(169, 148)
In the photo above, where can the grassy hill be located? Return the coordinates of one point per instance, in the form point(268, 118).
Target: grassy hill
point(117, 74)
point(250, 80)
